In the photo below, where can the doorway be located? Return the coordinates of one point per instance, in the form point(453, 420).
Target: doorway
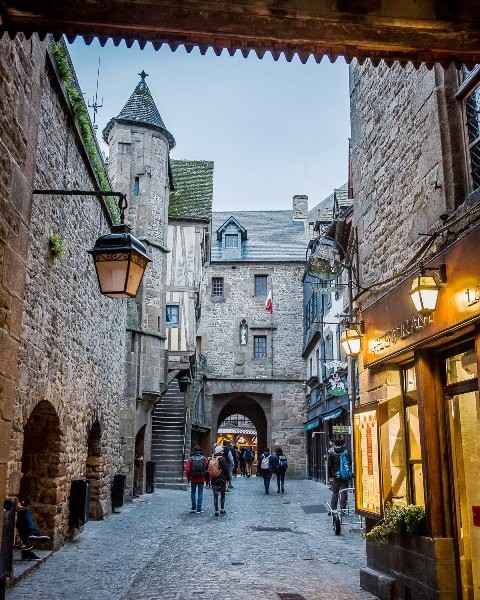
point(463, 423)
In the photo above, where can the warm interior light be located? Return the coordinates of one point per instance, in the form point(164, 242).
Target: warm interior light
point(424, 294)
point(120, 260)
point(351, 342)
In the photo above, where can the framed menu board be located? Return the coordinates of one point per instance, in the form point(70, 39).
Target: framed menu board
point(368, 497)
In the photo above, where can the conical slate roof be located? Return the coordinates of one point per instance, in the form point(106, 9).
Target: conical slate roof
point(140, 108)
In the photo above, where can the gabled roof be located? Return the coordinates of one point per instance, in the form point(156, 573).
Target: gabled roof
point(193, 189)
point(140, 108)
point(229, 221)
point(324, 212)
point(273, 236)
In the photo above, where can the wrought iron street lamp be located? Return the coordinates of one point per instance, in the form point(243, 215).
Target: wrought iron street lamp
point(350, 339)
point(120, 259)
point(424, 292)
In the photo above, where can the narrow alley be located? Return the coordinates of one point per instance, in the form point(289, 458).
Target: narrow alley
point(278, 547)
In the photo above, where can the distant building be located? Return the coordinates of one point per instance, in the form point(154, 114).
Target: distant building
point(254, 364)
point(325, 300)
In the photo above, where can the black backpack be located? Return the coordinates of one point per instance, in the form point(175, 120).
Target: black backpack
point(198, 466)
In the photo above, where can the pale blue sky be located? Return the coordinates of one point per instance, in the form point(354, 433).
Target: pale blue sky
point(273, 129)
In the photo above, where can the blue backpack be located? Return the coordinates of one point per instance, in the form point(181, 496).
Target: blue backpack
point(282, 463)
point(345, 471)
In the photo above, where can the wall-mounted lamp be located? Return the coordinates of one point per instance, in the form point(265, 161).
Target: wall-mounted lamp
point(120, 259)
point(424, 292)
point(351, 338)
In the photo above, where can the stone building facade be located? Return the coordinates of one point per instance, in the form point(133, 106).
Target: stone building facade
point(415, 189)
point(254, 365)
point(139, 146)
point(68, 373)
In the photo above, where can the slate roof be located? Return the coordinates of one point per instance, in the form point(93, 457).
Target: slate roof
point(323, 212)
point(272, 236)
point(193, 189)
point(140, 108)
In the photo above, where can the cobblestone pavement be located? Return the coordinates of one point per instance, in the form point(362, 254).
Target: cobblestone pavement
point(156, 549)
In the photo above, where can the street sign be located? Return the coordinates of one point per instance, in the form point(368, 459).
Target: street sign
point(341, 429)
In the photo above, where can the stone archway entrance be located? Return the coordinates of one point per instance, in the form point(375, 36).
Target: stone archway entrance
point(249, 406)
point(94, 470)
point(43, 472)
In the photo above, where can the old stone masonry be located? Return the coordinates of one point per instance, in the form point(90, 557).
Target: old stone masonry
point(276, 547)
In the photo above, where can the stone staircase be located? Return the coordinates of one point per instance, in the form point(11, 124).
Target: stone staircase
point(167, 438)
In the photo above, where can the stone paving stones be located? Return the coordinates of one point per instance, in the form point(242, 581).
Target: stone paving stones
point(266, 548)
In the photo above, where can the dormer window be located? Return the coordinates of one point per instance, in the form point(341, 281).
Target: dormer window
point(231, 240)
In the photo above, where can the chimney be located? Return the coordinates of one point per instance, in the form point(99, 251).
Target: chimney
point(300, 207)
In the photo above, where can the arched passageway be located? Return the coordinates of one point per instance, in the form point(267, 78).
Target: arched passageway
point(250, 408)
point(43, 471)
point(139, 463)
point(94, 469)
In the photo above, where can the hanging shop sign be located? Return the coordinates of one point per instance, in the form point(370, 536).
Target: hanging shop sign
point(341, 429)
point(391, 325)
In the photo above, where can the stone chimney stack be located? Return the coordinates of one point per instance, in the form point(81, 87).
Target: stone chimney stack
point(300, 207)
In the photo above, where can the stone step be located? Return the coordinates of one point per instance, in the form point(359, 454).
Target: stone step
point(171, 486)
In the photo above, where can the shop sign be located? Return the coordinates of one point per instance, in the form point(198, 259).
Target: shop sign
point(367, 460)
point(341, 429)
point(391, 325)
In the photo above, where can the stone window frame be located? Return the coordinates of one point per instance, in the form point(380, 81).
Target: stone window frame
point(172, 323)
point(218, 287)
point(469, 90)
point(263, 277)
point(256, 348)
point(230, 237)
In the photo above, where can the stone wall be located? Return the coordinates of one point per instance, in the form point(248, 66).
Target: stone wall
point(407, 162)
point(221, 319)
point(21, 62)
point(255, 386)
point(72, 338)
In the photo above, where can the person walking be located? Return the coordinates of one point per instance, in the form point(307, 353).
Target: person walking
point(249, 458)
point(195, 471)
point(267, 464)
point(229, 457)
point(339, 473)
point(241, 460)
point(219, 477)
point(282, 466)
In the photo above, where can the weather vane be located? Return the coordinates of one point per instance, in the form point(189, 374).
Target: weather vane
point(95, 105)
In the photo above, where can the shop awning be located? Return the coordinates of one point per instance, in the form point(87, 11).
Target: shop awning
point(311, 424)
point(333, 415)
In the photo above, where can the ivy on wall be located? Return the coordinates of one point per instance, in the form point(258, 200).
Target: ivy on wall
point(81, 113)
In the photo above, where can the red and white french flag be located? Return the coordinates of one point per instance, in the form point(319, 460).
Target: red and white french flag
point(269, 302)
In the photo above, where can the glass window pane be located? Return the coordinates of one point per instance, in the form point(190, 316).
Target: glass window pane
point(416, 482)
point(173, 314)
point(260, 285)
point(409, 381)
point(461, 367)
point(413, 435)
point(260, 346)
point(217, 286)
point(231, 241)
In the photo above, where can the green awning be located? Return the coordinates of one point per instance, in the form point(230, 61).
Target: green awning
point(333, 415)
point(311, 424)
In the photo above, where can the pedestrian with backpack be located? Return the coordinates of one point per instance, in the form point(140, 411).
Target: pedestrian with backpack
point(282, 466)
point(219, 477)
point(249, 458)
point(195, 471)
point(340, 473)
point(267, 464)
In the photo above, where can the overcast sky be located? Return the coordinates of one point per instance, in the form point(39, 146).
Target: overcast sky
point(273, 129)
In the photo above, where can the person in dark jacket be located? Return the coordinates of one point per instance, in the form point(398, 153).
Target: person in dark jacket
point(196, 477)
point(267, 471)
point(280, 470)
point(219, 483)
point(337, 484)
point(249, 458)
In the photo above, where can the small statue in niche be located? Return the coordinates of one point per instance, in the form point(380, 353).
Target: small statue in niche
point(243, 333)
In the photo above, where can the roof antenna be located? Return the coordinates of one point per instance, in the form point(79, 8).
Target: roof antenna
point(95, 105)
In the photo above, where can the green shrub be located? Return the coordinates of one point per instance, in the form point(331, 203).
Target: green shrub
point(399, 519)
point(56, 246)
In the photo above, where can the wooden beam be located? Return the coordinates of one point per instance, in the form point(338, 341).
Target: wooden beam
point(426, 31)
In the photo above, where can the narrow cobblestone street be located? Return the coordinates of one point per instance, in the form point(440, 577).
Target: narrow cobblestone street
point(156, 549)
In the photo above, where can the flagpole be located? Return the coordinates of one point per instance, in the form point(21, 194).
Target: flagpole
point(271, 322)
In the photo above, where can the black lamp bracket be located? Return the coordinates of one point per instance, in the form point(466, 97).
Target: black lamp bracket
point(122, 198)
point(441, 270)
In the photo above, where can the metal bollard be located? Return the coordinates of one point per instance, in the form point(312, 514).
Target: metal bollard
point(118, 490)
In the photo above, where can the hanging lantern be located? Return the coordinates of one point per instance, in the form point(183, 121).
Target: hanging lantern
point(351, 342)
point(424, 294)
